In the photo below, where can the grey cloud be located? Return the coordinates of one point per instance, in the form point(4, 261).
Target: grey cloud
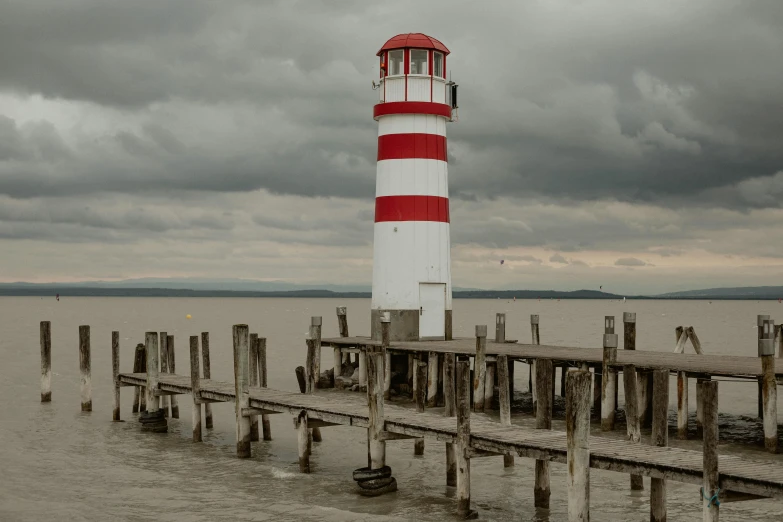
point(557, 258)
point(629, 261)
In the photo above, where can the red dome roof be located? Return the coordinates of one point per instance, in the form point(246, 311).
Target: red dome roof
point(417, 40)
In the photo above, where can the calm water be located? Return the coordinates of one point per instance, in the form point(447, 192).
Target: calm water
point(60, 464)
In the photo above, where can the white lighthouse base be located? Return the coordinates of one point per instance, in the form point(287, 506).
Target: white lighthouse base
point(404, 325)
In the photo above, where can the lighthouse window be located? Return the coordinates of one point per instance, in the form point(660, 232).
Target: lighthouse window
point(437, 65)
point(395, 63)
point(419, 62)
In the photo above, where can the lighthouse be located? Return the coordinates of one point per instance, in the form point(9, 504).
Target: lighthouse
point(411, 249)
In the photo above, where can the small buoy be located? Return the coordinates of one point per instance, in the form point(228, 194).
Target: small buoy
point(187, 316)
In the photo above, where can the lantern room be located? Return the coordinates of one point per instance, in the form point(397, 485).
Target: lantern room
point(413, 68)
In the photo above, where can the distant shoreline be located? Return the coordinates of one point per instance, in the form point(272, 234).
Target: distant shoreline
point(45, 291)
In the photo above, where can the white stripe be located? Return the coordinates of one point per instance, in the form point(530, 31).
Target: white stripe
point(412, 123)
point(412, 177)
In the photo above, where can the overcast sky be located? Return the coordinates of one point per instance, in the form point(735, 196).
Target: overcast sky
point(634, 145)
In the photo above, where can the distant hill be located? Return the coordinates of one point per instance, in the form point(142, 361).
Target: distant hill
point(742, 292)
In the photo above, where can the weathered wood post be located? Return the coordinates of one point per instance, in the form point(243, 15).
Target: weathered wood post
point(504, 399)
point(376, 444)
point(139, 394)
point(578, 385)
point(450, 410)
point(682, 389)
point(463, 435)
point(490, 363)
point(151, 346)
point(633, 430)
point(253, 366)
point(536, 339)
point(241, 335)
point(779, 329)
point(315, 331)
point(46, 361)
point(342, 325)
point(385, 342)
point(84, 367)
point(421, 379)
point(164, 368)
point(479, 368)
point(710, 488)
point(362, 368)
point(769, 385)
point(500, 328)
point(760, 324)
point(266, 428)
point(195, 384)
point(303, 441)
point(545, 376)
point(609, 388)
point(207, 375)
point(433, 365)
point(172, 369)
point(115, 371)
point(598, 377)
point(660, 437)
point(313, 347)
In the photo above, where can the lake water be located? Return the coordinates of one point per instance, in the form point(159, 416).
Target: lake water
point(60, 464)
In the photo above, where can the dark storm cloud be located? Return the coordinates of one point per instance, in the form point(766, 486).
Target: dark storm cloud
point(670, 105)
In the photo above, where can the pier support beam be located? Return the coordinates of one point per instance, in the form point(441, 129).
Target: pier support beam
point(634, 432)
point(769, 385)
point(504, 400)
point(303, 441)
point(709, 405)
point(421, 379)
point(489, 382)
point(535, 339)
point(241, 336)
point(151, 346)
point(609, 385)
point(115, 367)
point(342, 326)
point(266, 429)
point(545, 373)
point(172, 369)
point(164, 368)
point(376, 444)
point(479, 368)
point(578, 438)
point(463, 435)
point(195, 384)
point(139, 366)
point(253, 365)
point(46, 361)
point(450, 410)
point(660, 437)
point(84, 367)
point(433, 364)
point(207, 375)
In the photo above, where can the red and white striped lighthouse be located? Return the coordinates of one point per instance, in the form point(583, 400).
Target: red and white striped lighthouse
point(412, 258)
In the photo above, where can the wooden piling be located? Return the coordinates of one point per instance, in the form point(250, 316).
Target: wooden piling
point(266, 428)
point(710, 487)
point(195, 384)
point(303, 441)
point(479, 368)
point(682, 391)
point(500, 328)
point(207, 375)
point(310, 363)
point(241, 337)
point(253, 381)
point(315, 333)
point(376, 444)
point(313, 347)
point(362, 368)
point(421, 379)
point(172, 369)
point(766, 352)
point(385, 342)
point(433, 365)
point(84, 367)
point(115, 370)
point(138, 391)
point(151, 347)
point(450, 410)
point(535, 339)
point(46, 361)
point(342, 325)
point(609, 388)
point(578, 384)
point(489, 384)
point(633, 430)
point(504, 399)
point(660, 437)
point(463, 434)
point(545, 376)
point(164, 368)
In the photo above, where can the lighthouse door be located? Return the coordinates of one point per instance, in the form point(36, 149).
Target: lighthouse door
point(432, 311)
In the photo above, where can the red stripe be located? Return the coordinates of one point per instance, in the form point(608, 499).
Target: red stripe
point(411, 107)
point(411, 208)
point(406, 146)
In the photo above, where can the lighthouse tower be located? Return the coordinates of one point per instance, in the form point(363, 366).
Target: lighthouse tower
point(412, 258)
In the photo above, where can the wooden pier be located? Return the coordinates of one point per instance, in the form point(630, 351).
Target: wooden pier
point(467, 436)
